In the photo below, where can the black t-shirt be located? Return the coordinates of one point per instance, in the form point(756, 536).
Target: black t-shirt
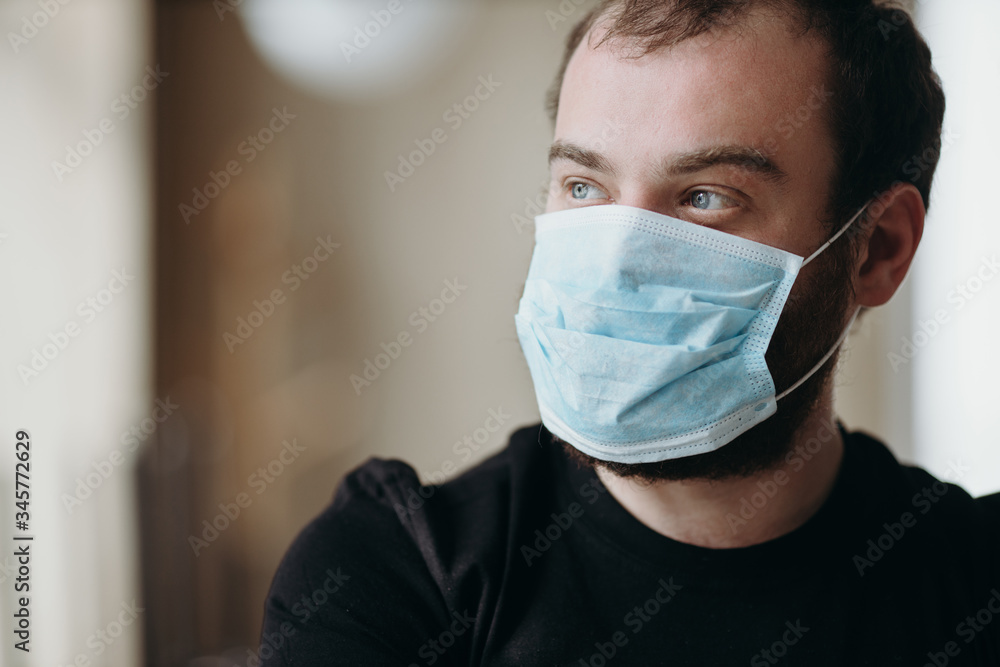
point(526, 559)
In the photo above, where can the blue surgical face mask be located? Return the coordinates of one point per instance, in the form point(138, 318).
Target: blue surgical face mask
point(645, 335)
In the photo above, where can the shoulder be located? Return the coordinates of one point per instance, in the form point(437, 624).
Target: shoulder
point(383, 518)
point(990, 506)
point(392, 562)
point(946, 509)
point(391, 485)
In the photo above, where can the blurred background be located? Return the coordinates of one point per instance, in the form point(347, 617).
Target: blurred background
point(247, 244)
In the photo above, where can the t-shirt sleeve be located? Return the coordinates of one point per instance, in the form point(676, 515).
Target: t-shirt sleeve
point(354, 587)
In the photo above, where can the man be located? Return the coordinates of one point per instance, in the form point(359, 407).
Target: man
point(684, 502)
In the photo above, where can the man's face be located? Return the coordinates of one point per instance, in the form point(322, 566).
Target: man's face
point(727, 130)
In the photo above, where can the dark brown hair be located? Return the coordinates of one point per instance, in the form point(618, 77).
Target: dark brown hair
point(887, 107)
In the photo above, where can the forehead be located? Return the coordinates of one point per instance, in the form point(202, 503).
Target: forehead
point(760, 85)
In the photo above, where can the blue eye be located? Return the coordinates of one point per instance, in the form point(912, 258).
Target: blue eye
point(709, 201)
point(579, 190)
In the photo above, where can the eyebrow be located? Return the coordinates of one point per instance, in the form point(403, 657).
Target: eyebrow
point(564, 150)
point(746, 157)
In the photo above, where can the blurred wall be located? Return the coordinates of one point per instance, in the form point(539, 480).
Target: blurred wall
point(950, 345)
point(320, 181)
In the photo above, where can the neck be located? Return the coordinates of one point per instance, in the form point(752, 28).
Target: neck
point(745, 511)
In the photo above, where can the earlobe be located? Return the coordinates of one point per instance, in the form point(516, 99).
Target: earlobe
point(898, 224)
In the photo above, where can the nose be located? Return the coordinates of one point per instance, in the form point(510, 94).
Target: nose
point(645, 196)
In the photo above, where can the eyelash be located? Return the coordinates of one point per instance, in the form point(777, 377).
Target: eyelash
point(569, 185)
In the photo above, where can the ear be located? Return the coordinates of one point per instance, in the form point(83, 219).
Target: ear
point(898, 224)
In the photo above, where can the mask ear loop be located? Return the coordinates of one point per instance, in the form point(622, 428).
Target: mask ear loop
point(825, 358)
point(847, 329)
point(835, 236)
